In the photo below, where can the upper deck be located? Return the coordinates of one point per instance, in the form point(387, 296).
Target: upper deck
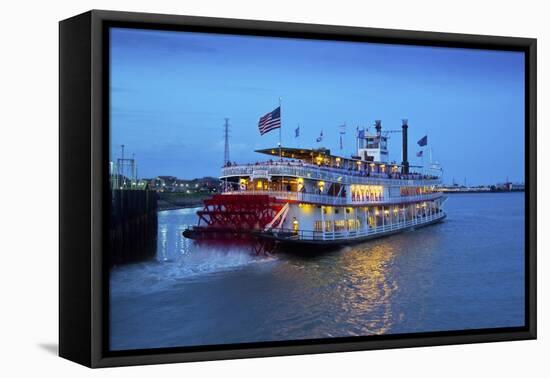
point(320, 164)
point(368, 174)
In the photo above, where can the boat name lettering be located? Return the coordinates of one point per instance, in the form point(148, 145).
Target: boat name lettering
point(260, 174)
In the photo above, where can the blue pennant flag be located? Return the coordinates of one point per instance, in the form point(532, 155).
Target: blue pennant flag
point(320, 138)
point(343, 129)
point(423, 141)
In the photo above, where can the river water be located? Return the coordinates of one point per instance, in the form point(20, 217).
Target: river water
point(464, 273)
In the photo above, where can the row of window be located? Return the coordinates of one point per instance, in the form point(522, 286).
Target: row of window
point(376, 218)
point(339, 225)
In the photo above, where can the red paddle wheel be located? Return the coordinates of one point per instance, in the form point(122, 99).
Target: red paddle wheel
point(234, 217)
point(239, 212)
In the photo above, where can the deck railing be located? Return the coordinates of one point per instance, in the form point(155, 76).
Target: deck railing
point(324, 199)
point(325, 173)
point(354, 234)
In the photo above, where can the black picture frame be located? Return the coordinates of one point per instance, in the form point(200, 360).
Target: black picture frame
point(83, 166)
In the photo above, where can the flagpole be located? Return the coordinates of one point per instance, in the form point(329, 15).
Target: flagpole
point(357, 140)
point(280, 128)
point(423, 169)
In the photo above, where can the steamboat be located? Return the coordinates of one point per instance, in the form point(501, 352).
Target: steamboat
point(298, 198)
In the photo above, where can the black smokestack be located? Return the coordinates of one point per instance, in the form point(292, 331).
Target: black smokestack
point(405, 163)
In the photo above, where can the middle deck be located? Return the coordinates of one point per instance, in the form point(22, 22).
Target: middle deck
point(307, 183)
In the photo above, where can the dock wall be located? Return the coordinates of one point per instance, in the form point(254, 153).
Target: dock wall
point(133, 226)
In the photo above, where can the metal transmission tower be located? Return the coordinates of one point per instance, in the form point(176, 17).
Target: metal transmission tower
point(124, 172)
point(226, 137)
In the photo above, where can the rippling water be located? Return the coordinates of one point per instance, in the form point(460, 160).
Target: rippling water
point(464, 273)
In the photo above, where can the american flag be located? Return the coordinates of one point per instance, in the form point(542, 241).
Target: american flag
point(270, 121)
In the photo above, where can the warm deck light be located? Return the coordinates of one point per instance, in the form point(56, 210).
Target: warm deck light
point(321, 186)
point(295, 225)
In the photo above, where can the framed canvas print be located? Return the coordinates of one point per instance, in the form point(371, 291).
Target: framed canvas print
point(235, 188)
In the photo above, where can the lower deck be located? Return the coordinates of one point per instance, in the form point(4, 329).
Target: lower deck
point(351, 235)
point(317, 222)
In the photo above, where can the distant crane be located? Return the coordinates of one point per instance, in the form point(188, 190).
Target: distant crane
point(378, 127)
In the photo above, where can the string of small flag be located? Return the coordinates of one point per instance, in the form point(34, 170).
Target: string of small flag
point(342, 132)
point(272, 121)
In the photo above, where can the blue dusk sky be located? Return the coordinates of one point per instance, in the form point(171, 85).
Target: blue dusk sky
point(170, 93)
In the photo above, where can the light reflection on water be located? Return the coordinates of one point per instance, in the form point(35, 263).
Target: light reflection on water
point(371, 287)
point(464, 273)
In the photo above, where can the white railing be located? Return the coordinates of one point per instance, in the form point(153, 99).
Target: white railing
point(323, 199)
point(355, 234)
point(314, 172)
